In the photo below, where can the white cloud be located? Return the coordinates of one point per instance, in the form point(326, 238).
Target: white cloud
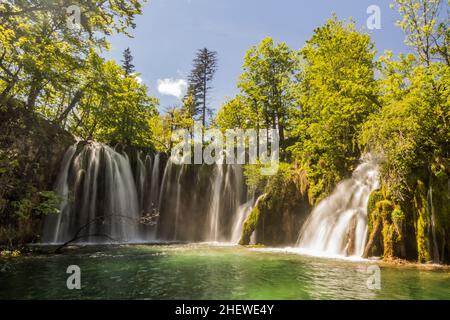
point(172, 87)
point(138, 78)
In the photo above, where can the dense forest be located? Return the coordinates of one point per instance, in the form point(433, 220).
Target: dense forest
point(332, 102)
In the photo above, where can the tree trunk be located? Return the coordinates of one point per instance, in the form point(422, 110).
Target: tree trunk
point(76, 98)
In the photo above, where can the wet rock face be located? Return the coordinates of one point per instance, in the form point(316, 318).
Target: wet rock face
point(38, 144)
point(31, 150)
point(404, 229)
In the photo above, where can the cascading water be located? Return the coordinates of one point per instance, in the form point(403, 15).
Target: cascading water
point(214, 211)
point(108, 196)
point(178, 201)
point(141, 178)
point(154, 186)
point(52, 227)
point(430, 208)
point(102, 201)
point(241, 215)
point(147, 182)
point(338, 225)
point(200, 202)
point(227, 189)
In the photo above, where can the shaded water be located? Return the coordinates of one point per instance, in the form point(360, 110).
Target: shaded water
point(209, 272)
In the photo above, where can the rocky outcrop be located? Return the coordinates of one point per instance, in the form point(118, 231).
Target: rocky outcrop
point(279, 214)
point(412, 229)
point(31, 149)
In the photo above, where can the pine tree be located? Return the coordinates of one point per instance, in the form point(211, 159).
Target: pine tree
point(204, 68)
point(127, 64)
point(128, 67)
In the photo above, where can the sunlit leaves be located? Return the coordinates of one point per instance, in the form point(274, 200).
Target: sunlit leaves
point(337, 92)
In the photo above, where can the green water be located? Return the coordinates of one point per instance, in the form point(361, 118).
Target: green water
point(209, 272)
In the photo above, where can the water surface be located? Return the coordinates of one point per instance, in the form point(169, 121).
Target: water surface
point(203, 271)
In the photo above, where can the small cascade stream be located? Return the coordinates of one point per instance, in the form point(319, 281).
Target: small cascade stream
point(338, 225)
point(243, 212)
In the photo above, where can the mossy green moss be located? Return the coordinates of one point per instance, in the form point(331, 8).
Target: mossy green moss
point(398, 217)
point(422, 241)
point(250, 226)
point(388, 241)
point(280, 213)
point(374, 197)
point(385, 208)
point(385, 222)
point(420, 203)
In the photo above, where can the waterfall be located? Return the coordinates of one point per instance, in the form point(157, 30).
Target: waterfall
point(147, 182)
point(110, 196)
point(214, 211)
point(430, 208)
point(242, 214)
point(224, 212)
point(101, 199)
point(338, 225)
point(154, 187)
point(62, 188)
point(141, 178)
point(178, 202)
point(200, 203)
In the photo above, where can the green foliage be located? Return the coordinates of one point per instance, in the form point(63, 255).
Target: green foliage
point(422, 223)
point(56, 70)
point(324, 100)
point(127, 62)
point(52, 79)
point(36, 205)
point(281, 209)
point(116, 108)
point(373, 209)
point(337, 93)
point(255, 181)
point(237, 113)
point(267, 84)
point(425, 31)
point(411, 131)
point(398, 215)
point(269, 78)
point(374, 198)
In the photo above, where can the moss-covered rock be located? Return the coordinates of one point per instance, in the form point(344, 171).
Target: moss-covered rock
point(250, 224)
point(278, 215)
point(374, 197)
point(386, 228)
point(422, 223)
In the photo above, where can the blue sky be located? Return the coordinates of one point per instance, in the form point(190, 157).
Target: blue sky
point(170, 31)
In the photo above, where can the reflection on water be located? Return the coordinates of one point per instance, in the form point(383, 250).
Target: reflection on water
point(209, 272)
